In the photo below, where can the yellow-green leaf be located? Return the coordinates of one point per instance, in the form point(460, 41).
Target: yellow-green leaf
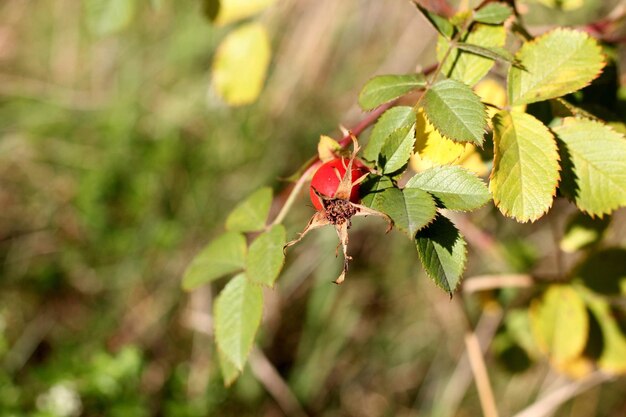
point(594, 165)
point(493, 13)
point(224, 255)
point(238, 311)
point(384, 88)
point(266, 257)
point(391, 120)
point(468, 67)
point(106, 17)
point(559, 323)
point(525, 168)
point(229, 371)
point(241, 63)
point(582, 231)
point(557, 63)
point(397, 149)
point(251, 214)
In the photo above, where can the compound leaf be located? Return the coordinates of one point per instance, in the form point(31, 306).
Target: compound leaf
point(557, 63)
point(238, 312)
point(525, 167)
point(251, 214)
point(266, 257)
point(594, 171)
point(224, 255)
point(456, 187)
point(384, 88)
point(456, 111)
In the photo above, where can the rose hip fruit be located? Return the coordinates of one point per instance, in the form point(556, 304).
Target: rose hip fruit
point(325, 180)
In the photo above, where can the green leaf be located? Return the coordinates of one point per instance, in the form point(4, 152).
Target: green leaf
point(441, 249)
point(560, 324)
point(525, 166)
point(557, 63)
point(440, 23)
point(384, 88)
point(456, 111)
point(107, 17)
point(493, 13)
point(391, 120)
point(582, 231)
point(493, 53)
point(229, 371)
point(604, 272)
point(223, 12)
point(594, 168)
point(241, 63)
point(470, 67)
point(251, 214)
point(266, 257)
point(238, 312)
point(410, 209)
point(397, 149)
point(224, 255)
point(456, 187)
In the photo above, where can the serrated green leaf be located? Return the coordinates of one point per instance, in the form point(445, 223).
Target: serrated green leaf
point(594, 171)
point(410, 209)
point(266, 257)
point(557, 63)
point(391, 120)
point(251, 214)
point(493, 13)
point(241, 63)
point(469, 67)
point(441, 249)
point(456, 111)
point(456, 187)
point(582, 231)
point(525, 167)
point(604, 272)
point(397, 149)
point(223, 12)
point(224, 255)
point(384, 88)
point(494, 53)
point(560, 324)
point(229, 371)
point(106, 17)
point(238, 312)
point(440, 23)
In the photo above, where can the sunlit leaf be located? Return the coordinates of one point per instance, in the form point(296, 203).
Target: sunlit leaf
point(238, 312)
point(525, 168)
point(456, 111)
point(557, 63)
point(251, 214)
point(391, 120)
point(559, 323)
point(441, 249)
point(466, 66)
point(582, 231)
point(229, 371)
point(240, 64)
point(384, 88)
point(397, 149)
point(327, 148)
point(457, 188)
point(440, 23)
point(266, 257)
point(594, 168)
point(493, 13)
point(224, 255)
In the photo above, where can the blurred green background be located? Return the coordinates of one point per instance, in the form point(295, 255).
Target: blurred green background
point(118, 163)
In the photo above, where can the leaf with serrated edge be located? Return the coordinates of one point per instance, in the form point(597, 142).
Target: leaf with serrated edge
point(266, 257)
point(384, 88)
point(468, 67)
point(238, 312)
point(229, 371)
point(594, 167)
point(224, 255)
point(441, 248)
point(397, 149)
point(392, 119)
point(493, 13)
point(440, 23)
point(410, 210)
point(250, 215)
point(456, 187)
point(525, 167)
point(557, 63)
point(241, 63)
point(456, 111)
point(559, 323)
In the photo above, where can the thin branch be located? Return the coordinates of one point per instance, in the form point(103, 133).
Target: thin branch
point(294, 193)
point(490, 282)
point(481, 377)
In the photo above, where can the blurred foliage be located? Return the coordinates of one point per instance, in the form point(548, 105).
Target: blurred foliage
point(118, 163)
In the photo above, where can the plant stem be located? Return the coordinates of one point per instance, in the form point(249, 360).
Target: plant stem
point(294, 193)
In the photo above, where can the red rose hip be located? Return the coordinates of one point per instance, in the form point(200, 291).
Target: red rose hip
point(325, 180)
